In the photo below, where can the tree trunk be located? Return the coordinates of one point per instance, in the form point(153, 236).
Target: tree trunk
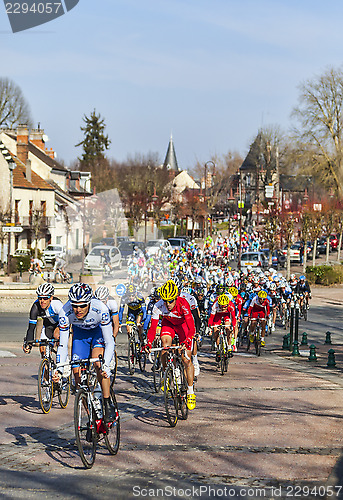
point(288, 273)
point(327, 250)
point(305, 258)
point(339, 246)
point(314, 252)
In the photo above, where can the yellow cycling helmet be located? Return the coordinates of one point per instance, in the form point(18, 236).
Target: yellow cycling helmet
point(233, 290)
point(223, 300)
point(169, 291)
point(262, 294)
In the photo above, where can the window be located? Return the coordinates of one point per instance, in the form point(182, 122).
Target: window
point(16, 211)
point(58, 240)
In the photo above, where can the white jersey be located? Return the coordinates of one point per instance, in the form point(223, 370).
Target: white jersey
point(98, 317)
point(112, 306)
point(192, 301)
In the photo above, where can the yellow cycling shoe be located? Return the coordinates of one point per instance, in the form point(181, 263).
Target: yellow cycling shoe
point(251, 338)
point(191, 403)
point(263, 343)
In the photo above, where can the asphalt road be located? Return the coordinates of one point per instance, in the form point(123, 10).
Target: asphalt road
point(270, 422)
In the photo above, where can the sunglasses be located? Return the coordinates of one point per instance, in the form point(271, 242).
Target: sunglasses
point(44, 298)
point(79, 306)
point(169, 301)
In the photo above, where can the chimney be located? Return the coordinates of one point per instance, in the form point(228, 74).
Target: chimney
point(28, 170)
point(37, 137)
point(22, 143)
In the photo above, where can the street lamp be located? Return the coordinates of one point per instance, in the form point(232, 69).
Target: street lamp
point(11, 166)
point(208, 163)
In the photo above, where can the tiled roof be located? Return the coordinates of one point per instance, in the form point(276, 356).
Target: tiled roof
point(45, 158)
point(20, 181)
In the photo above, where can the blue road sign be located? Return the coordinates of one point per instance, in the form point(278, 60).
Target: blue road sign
point(120, 289)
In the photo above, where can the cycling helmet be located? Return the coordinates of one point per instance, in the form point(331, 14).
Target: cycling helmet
point(273, 286)
point(155, 292)
point(45, 290)
point(186, 289)
point(131, 289)
point(233, 291)
point(262, 294)
point(220, 288)
point(223, 300)
point(292, 277)
point(102, 292)
point(169, 291)
point(80, 293)
point(302, 278)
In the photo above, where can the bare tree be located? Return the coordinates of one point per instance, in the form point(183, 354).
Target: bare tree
point(287, 231)
point(321, 126)
point(315, 230)
point(329, 224)
point(305, 230)
point(271, 231)
point(14, 109)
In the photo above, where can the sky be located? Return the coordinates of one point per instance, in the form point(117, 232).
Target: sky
point(210, 73)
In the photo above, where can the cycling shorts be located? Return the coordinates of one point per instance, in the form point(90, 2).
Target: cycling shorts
point(132, 315)
point(258, 314)
point(48, 332)
point(84, 341)
point(218, 318)
point(167, 328)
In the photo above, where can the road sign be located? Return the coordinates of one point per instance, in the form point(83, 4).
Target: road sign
point(240, 204)
point(12, 229)
point(120, 289)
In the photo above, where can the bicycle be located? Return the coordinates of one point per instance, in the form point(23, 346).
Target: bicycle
point(62, 277)
point(46, 386)
point(257, 338)
point(157, 367)
point(89, 424)
point(135, 353)
point(175, 384)
point(223, 349)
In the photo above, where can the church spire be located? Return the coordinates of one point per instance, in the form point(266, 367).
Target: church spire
point(170, 162)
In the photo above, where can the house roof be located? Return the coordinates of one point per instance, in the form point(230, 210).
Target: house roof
point(253, 157)
point(20, 180)
point(35, 150)
point(170, 162)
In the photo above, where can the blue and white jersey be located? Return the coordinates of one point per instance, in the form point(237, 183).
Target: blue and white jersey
point(112, 306)
point(98, 317)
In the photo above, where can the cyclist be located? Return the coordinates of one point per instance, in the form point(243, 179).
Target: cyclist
point(187, 293)
point(105, 259)
point(59, 265)
point(48, 308)
point(303, 290)
point(92, 336)
point(176, 319)
point(36, 266)
point(153, 298)
point(102, 293)
point(222, 308)
point(259, 308)
point(136, 310)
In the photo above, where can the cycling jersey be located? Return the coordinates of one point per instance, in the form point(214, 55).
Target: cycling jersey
point(94, 330)
point(179, 316)
point(112, 306)
point(49, 316)
point(217, 313)
point(259, 309)
point(135, 306)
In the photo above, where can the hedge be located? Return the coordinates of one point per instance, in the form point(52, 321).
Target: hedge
point(324, 275)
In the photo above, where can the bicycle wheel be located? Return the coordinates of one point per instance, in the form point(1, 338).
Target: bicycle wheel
point(257, 343)
point(63, 391)
point(115, 368)
point(84, 426)
point(182, 392)
point(157, 371)
point(45, 386)
point(170, 401)
point(112, 437)
point(304, 310)
point(222, 357)
point(131, 357)
point(141, 360)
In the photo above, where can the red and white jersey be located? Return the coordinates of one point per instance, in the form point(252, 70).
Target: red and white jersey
point(192, 301)
point(217, 310)
point(181, 313)
point(256, 305)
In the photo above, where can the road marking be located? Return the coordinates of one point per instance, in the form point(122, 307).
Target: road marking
point(7, 354)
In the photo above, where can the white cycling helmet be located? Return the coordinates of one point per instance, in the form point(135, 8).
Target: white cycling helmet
point(80, 293)
point(102, 292)
point(45, 290)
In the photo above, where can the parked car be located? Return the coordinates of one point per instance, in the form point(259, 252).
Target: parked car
point(95, 262)
point(126, 249)
point(51, 252)
point(178, 243)
point(153, 246)
point(254, 259)
point(321, 245)
point(22, 252)
point(278, 258)
point(334, 242)
point(295, 251)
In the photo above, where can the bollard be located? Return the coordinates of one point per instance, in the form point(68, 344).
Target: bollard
point(313, 356)
point(328, 338)
point(296, 329)
point(331, 359)
point(285, 344)
point(304, 339)
point(295, 351)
